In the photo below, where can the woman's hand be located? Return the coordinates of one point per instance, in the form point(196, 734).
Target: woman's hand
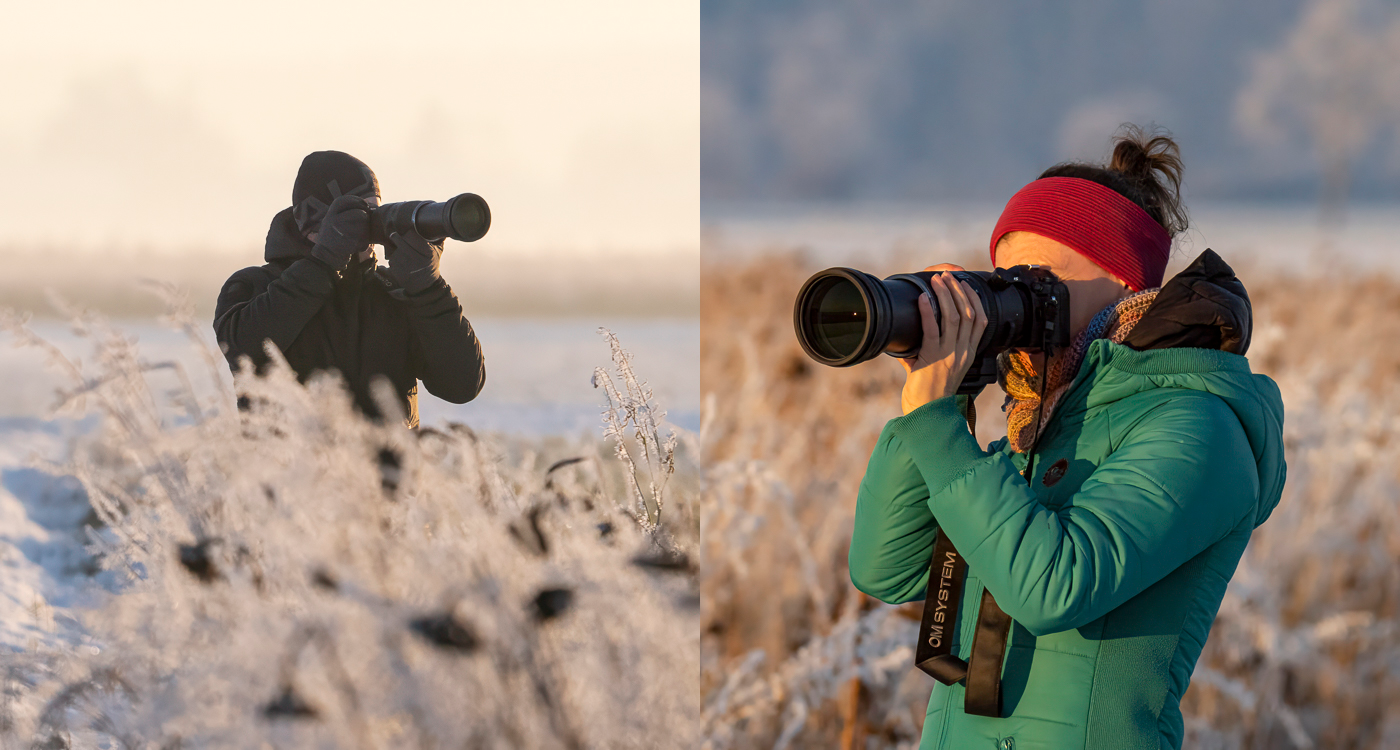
point(947, 350)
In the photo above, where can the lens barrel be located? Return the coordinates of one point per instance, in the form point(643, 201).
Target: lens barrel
point(844, 317)
point(465, 217)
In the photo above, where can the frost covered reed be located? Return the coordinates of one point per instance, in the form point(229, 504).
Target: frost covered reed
point(1302, 655)
point(294, 575)
point(632, 405)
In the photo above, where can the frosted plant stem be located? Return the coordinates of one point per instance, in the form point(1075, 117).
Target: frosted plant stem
point(634, 407)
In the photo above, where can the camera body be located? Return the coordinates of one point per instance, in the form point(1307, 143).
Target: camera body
point(844, 316)
point(465, 217)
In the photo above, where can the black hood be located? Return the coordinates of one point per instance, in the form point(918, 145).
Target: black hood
point(1203, 307)
point(323, 177)
point(284, 242)
point(285, 245)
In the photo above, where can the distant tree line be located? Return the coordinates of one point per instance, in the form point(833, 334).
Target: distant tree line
point(910, 100)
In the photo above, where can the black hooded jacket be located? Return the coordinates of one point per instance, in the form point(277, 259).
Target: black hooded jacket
point(1203, 307)
point(356, 323)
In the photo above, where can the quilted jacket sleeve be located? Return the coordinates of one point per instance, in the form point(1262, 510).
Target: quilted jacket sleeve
point(894, 527)
point(251, 310)
point(446, 353)
point(1180, 479)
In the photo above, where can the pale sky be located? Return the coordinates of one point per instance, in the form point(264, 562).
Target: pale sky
point(179, 126)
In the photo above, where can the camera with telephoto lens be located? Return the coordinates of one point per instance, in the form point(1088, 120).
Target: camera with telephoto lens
point(844, 316)
point(465, 218)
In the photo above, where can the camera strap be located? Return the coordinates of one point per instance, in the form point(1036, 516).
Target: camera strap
point(988, 653)
point(939, 626)
point(935, 652)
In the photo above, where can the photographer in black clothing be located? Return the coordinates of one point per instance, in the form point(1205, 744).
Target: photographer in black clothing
point(324, 303)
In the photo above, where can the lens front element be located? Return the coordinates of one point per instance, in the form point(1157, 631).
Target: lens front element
point(838, 317)
point(469, 216)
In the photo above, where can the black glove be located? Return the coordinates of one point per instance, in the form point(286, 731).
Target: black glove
point(413, 261)
point(344, 232)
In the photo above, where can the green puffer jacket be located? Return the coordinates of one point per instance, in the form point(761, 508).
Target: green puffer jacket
point(1112, 572)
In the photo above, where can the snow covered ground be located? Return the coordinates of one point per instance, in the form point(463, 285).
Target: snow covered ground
point(538, 372)
point(538, 383)
point(45, 568)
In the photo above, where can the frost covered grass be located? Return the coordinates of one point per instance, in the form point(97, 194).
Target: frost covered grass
point(296, 576)
point(1302, 655)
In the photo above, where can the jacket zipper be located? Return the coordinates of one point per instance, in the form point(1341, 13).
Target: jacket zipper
point(976, 597)
point(965, 635)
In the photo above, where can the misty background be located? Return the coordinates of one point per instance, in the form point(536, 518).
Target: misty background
point(156, 140)
point(160, 138)
point(930, 103)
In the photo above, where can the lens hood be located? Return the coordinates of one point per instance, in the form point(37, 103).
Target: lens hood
point(465, 217)
point(852, 301)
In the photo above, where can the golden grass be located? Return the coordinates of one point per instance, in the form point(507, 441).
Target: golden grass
point(1303, 653)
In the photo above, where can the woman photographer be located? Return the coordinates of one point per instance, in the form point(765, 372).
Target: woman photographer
point(1099, 535)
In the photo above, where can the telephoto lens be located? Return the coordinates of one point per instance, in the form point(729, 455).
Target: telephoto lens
point(465, 218)
point(844, 316)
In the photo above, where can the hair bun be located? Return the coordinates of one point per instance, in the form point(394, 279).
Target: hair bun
point(1130, 158)
point(1151, 161)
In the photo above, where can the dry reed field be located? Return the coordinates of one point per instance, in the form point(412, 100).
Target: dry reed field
point(1305, 652)
point(296, 576)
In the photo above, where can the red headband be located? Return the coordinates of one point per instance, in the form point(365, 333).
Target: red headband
point(1096, 222)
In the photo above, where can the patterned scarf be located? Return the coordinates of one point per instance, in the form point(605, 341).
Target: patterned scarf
point(1017, 376)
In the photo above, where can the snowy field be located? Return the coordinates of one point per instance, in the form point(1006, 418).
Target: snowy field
point(539, 405)
point(539, 383)
point(537, 371)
